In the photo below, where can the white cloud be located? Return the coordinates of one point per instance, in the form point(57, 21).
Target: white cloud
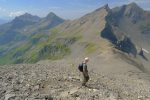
point(16, 13)
point(2, 9)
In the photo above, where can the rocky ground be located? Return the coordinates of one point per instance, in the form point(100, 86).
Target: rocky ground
point(61, 80)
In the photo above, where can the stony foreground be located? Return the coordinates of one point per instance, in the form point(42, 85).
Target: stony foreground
point(61, 80)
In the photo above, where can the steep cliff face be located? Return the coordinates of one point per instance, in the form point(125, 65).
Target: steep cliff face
point(121, 41)
point(127, 28)
point(116, 28)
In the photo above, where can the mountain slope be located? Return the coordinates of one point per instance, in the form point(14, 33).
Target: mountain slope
point(50, 21)
point(87, 28)
point(22, 33)
point(111, 38)
point(12, 31)
point(56, 43)
point(88, 36)
point(129, 30)
point(62, 80)
point(25, 25)
point(2, 21)
point(24, 20)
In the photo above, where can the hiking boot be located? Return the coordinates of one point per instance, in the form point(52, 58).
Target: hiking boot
point(84, 85)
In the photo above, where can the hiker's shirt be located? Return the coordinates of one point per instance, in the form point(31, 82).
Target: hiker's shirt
point(85, 71)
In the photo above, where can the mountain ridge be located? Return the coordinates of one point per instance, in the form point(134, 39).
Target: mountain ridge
point(85, 34)
point(123, 24)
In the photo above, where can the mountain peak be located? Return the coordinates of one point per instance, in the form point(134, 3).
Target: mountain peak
point(24, 20)
point(134, 12)
point(133, 6)
point(27, 16)
point(103, 7)
point(24, 15)
point(51, 14)
point(106, 6)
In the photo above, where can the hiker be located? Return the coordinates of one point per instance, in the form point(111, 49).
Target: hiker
point(83, 69)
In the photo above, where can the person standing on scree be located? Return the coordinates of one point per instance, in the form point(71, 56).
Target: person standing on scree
point(83, 68)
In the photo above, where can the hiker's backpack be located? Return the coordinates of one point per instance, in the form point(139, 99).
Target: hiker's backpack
point(80, 67)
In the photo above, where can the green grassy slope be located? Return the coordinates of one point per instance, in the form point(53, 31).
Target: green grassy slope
point(61, 41)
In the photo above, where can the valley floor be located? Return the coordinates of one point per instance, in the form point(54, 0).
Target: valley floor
point(61, 80)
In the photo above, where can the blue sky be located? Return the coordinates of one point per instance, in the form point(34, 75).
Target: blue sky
point(67, 9)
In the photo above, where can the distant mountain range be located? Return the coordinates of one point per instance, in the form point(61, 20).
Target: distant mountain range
point(20, 31)
point(28, 38)
point(18, 28)
point(2, 21)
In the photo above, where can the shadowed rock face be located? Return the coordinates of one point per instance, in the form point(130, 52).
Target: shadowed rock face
point(127, 46)
point(108, 34)
point(128, 28)
point(115, 33)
